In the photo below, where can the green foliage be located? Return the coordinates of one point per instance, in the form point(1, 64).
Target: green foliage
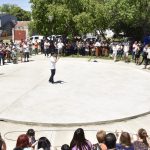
point(84, 23)
point(32, 28)
point(61, 18)
point(130, 17)
point(82, 16)
point(16, 11)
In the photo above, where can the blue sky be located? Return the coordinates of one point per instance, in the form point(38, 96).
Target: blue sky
point(24, 4)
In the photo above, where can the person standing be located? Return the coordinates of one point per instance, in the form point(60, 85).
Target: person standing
point(115, 49)
point(126, 52)
point(147, 60)
point(42, 46)
point(134, 48)
point(46, 48)
point(14, 55)
point(29, 43)
point(97, 47)
point(60, 46)
point(144, 54)
point(21, 50)
point(36, 45)
point(26, 52)
point(137, 54)
point(53, 60)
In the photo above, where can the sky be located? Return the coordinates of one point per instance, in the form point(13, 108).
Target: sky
point(24, 4)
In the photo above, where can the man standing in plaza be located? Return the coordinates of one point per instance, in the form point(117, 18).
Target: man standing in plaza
point(53, 60)
point(36, 45)
point(60, 46)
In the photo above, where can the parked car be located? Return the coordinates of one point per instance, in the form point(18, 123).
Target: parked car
point(92, 39)
point(37, 37)
point(54, 37)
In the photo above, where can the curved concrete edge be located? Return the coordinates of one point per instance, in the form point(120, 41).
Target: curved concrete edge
point(75, 124)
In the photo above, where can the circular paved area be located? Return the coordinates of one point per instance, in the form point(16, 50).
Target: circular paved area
point(90, 92)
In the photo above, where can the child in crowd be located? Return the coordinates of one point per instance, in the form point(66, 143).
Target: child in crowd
point(101, 139)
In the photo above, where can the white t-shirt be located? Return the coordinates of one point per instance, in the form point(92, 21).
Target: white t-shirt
point(97, 44)
point(46, 45)
point(25, 48)
point(60, 45)
point(53, 61)
point(148, 51)
point(135, 47)
point(126, 49)
point(114, 48)
point(118, 47)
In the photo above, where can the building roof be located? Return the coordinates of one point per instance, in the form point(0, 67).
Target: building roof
point(22, 23)
point(3, 14)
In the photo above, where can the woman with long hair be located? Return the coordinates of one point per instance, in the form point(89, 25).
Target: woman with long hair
point(142, 143)
point(125, 142)
point(44, 143)
point(23, 142)
point(79, 142)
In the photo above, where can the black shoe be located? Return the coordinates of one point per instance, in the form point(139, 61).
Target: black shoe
point(51, 81)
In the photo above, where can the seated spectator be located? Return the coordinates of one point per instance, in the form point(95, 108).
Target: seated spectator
point(23, 142)
point(110, 141)
point(44, 143)
point(125, 142)
point(65, 147)
point(2, 144)
point(101, 139)
point(31, 135)
point(142, 143)
point(79, 142)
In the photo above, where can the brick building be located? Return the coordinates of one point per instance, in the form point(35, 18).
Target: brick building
point(20, 31)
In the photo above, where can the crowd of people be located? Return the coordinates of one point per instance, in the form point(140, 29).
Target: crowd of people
point(10, 52)
point(135, 52)
point(105, 141)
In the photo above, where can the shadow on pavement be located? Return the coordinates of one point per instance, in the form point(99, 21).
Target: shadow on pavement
point(59, 82)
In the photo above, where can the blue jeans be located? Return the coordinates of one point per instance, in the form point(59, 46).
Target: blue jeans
point(133, 55)
point(1, 59)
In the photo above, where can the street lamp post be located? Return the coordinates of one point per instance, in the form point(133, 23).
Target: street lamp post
point(13, 30)
point(50, 18)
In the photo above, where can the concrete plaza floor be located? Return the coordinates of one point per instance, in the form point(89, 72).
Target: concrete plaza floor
point(85, 92)
point(91, 93)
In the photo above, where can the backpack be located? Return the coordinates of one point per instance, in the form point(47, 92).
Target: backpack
point(96, 147)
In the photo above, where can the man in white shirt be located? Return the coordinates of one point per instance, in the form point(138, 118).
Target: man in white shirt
point(60, 46)
point(134, 48)
point(126, 52)
point(114, 48)
point(53, 60)
point(26, 51)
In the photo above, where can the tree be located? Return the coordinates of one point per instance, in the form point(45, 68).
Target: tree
point(130, 17)
point(81, 16)
point(84, 23)
point(40, 17)
point(61, 18)
point(68, 16)
point(16, 11)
